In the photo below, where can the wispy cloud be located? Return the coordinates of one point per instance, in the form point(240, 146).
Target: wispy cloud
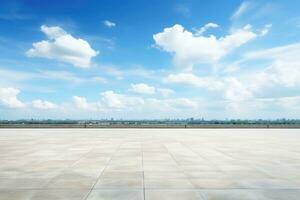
point(13, 77)
point(182, 9)
point(13, 11)
point(205, 28)
point(15, 16)
point(109, 23)
point(243, 8)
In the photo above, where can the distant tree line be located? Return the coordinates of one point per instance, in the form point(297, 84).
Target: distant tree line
point(189, 121)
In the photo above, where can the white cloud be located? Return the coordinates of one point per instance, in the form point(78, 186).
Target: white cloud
point(281, 77)
point(44, 105)
point(125, 106)
point(231, 87)
point(285, 52)
point(124, 103)
point(182, 10)
point(13, 77)
point(118, 101)
point(266, 29)
point(243, 8)
point(284, 69)
point(292, 102)
point(70, 77)
point(191, 79)
point(170, 106)
point(110, 70)
point(142, 88)
point(53, 32)
point(109, 24)
point(280, 72)
point(205, 28)
point(235, 91)
point(165, 92)
point(179, 103)
point(189, 49)
point(63, 47)
point(80, 102)
point(8, 98)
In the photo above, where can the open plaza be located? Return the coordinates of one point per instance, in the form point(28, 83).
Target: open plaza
point(149, 164)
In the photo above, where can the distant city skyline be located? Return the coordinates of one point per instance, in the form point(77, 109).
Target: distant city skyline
point(149, 59)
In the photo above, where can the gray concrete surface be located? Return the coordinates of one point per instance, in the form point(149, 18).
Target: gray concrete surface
point(151, 164)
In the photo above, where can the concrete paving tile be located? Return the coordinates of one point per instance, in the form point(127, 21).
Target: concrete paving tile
point(48, 165)
point(205, 174)
point(164, 175)
point(90, 163)
point(16, 194)
point(125, 167)
point(270, 183)
point(247, 174)
point(217, 183)
point(77, 194)
point(120, 183)
point(116, 195)
point(121, 174)
point(233, 195)
point(281, 194)
point(71, 180)
point(49, 174)
point(172, 195)
point(84, 171)
point(162, 168)
point(23, 183)
point(199, 168)
point(125, 162)
point(163, 183)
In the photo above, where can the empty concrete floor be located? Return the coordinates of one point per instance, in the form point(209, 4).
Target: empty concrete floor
point(151, 164)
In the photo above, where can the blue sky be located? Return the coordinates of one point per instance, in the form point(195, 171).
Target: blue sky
point(149, 59)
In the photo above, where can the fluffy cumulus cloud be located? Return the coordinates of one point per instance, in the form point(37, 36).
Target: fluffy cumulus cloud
point(142, 88)
point(190, 49)
point(123, 102)
point(44, 105)
point(231, 88)
point(233, 93)
point(80, 102)
point(111, 101)
point(279, 79)
point(8, 98)
point(236, 91)
point(118, 101)
point(283, 71)
point(62, 46)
